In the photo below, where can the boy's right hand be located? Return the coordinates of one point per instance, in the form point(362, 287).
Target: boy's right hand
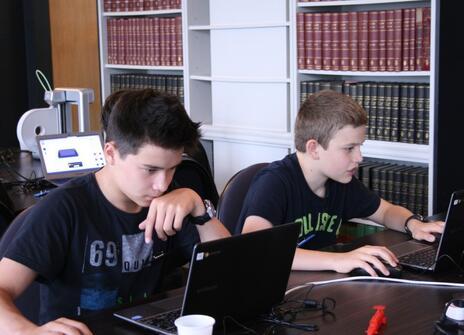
point(366, 257)
point(62, 326)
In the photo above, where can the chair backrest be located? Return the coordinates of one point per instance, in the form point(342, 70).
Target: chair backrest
point(29, 301)
point(195, 175)
point(231, 199)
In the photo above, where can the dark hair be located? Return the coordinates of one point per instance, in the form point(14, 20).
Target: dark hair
point(132, 118)
point(323, 114)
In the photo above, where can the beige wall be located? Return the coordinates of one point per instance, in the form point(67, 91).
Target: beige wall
point(74, 40)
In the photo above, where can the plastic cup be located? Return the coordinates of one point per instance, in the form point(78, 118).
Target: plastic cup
point(195, 324)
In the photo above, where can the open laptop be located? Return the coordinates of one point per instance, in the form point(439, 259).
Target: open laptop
point(241, 277)
point(446, 250)
point(64, 156)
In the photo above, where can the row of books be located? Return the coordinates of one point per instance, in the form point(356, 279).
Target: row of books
point(151, 41)
point(170, 84)
point(399, 184)
point(384, 40)
point(139, 5)
point(397, 112)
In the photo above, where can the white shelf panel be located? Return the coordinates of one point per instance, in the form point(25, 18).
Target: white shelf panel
point(351, 3)
point(407, 152)
point(144, 12)
point(242, 135)
point(143, 67)
point(240, 26)
point(367, 73)
point(242, 79)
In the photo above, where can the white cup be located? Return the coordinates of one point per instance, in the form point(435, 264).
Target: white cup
point(195, 324)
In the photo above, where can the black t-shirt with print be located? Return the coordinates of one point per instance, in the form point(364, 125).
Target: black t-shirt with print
point(280, 194)
point(90, 255)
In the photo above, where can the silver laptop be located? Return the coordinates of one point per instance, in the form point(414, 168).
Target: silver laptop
point(64, 156)
point(447, 251)
point(240, 277)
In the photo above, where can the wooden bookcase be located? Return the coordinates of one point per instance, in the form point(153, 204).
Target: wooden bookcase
point(241, 80)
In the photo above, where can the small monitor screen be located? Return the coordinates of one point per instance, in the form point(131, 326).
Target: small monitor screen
point(68, 155)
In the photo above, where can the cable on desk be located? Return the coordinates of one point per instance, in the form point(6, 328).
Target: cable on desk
point(370, 278)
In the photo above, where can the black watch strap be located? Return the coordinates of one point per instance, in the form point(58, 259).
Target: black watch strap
point(209, 214)
point(412, 217)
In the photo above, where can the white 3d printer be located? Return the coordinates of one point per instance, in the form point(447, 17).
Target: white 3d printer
point(55, 119)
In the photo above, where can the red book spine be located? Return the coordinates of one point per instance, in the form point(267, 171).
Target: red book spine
point(164, 4)
point(147, 5)
point(156, 4)
point(353, 44)
point(138, 5)
point(374, 40)
point(156, 41)
point(326, 41)
point(124, 40)
point(419, 39)
point(130, 50)
point(398, 28)
point(117, 6)
point(406, 39)
point(390, 40)
point(382, 41)
point(412, 39)
point(172, 41)
point(163, 41)
point(344, 42)
point(426, 37)
point(317, 28)
point(128, 5)
point(107, 5)
point(335, 41)
point(139, 44)
point(300, 40)
point(363, 38)
point(149, 41)
point(179, 53)
point(308, 41)
point(109, 41)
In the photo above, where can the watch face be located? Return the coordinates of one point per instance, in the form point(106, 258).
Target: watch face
point(210, 208)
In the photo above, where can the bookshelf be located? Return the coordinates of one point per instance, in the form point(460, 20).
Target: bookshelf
point(242, 81)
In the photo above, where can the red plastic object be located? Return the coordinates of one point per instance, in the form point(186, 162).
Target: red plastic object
point(377, 320)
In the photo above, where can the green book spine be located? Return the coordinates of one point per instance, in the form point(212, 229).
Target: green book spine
point(180, 89)
point(420, 114)
point(373, 112)
point(412, 189)
point(360, 93)
point(427, 113)
point(303, 91)
point(380, 124)
point(403, 122)
point(411, 114)
point(387, 112)
point(395, 113)
point(367, 105)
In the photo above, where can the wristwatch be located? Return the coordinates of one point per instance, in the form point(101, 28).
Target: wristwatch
point(415, 217)
point(209, 214)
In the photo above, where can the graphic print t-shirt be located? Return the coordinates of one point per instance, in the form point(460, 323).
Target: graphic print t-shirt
point(280, 194)
point(89, 255)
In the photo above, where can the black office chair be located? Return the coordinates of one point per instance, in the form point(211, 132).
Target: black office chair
point(231, 199)
point(29, 301)
point(194, 172)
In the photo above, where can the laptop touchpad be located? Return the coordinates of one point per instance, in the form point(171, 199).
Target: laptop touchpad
point(405, 248)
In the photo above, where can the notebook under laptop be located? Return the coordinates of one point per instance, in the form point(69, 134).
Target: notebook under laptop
point(241, 276)
point(446, 250)
point(64, 156)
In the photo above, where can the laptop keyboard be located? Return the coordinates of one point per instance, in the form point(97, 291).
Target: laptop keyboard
point(163, 321)
point(424, 258)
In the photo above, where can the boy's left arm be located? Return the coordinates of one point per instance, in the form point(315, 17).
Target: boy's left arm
point(394, 217)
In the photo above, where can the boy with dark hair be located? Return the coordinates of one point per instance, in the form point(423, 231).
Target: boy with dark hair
point(101, 239)
point(315, 186)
